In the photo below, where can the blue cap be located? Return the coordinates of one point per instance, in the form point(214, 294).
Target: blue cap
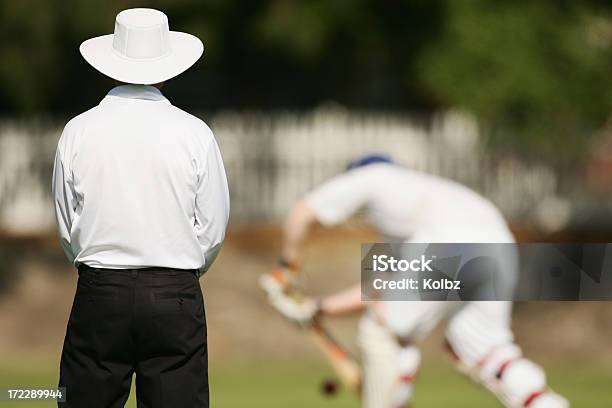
point(369, 159)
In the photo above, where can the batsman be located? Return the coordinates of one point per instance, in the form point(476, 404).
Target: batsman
point(408, 206)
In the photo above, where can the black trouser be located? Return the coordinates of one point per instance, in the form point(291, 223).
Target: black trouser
point(145, 321)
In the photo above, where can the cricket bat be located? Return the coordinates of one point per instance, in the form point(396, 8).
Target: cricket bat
point(345, 367)
point(343, 364)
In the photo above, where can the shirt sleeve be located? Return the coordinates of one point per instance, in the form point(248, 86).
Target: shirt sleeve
point(65, 201)
point(212, 205)
point(339, 198)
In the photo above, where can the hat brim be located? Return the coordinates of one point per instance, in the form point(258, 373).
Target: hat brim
point(186, 49)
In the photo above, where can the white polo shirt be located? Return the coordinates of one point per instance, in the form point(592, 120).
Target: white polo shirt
point(406, 205)
point(139, 183)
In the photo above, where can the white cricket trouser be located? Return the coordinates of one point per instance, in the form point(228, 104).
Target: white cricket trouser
point(474, 329)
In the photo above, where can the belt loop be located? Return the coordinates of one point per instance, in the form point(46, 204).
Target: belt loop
point(134, 273)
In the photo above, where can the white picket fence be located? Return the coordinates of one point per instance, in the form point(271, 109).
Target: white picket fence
point(274, 158)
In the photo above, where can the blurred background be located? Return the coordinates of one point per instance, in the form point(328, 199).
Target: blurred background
point(513, 99)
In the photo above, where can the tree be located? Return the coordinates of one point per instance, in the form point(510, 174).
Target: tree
point(538, 74)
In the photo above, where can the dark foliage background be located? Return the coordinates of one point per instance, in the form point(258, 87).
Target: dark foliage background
point(537, 74)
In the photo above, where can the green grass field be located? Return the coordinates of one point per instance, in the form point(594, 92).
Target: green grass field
point(288, 385)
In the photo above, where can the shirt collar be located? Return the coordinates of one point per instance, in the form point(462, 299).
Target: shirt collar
point(129, 91)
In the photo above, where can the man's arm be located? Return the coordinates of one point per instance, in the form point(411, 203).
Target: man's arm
point(328, 205)
point(343, 303)
point(212, 205)
point(301, 220)
point(65, 202)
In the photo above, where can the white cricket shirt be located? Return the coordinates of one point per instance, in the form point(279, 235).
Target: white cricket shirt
point(407, 205)
point(137, 183)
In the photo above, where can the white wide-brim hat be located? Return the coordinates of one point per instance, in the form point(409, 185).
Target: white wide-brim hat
point(142, 50)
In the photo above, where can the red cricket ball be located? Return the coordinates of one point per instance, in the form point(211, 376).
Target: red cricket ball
point(329, 387)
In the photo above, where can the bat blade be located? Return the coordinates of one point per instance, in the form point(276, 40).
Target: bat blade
point(344, 365)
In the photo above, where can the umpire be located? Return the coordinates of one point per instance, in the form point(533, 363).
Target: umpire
point(142, 206)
